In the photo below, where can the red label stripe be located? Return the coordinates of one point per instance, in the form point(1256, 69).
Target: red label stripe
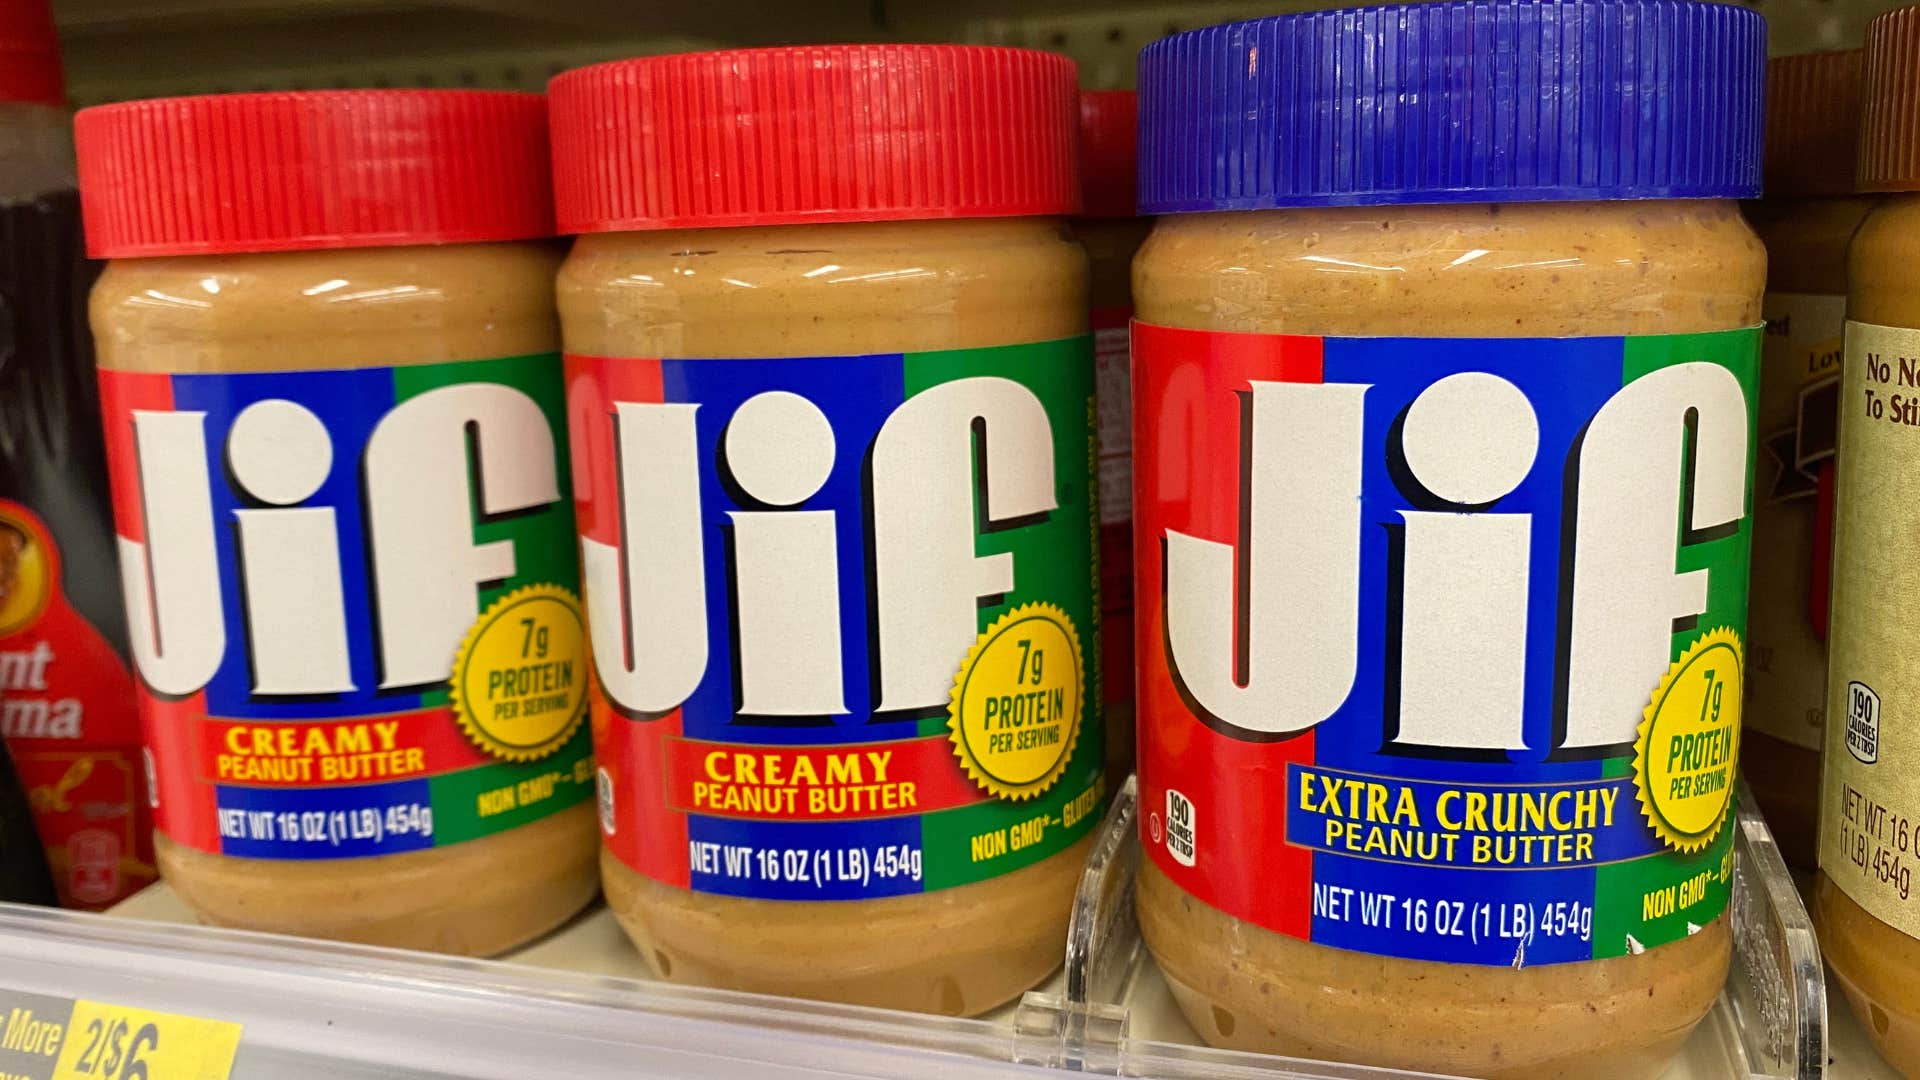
point(328, 753)
point(808, 783)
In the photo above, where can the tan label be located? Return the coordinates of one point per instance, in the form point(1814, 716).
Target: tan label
point(1799, 388)
point(1871, 794)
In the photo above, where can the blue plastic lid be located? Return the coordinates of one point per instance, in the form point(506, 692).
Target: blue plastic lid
point(1461, 101)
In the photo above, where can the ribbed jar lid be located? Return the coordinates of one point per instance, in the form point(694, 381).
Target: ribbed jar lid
point(1889, 158)
point(29, 54)
point(1462, 101)
point(1109, 152)
point(816, 133)
point(1813, 123)
point(312, 170)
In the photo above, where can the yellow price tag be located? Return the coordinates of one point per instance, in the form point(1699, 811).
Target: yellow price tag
point(115, 1042)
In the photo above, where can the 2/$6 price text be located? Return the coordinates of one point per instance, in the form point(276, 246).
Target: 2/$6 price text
point(115, 1049)
point(53, 1039)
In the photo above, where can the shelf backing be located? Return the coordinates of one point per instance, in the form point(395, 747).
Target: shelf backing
point(119, 49)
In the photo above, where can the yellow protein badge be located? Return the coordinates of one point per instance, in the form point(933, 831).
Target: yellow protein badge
point(1683, 760)
point(519, 685)
point(1017, 701)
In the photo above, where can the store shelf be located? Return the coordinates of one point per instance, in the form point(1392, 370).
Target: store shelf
point(313, 1010)
point(580, 1002)
point(117, 49)
point(1849, 1055)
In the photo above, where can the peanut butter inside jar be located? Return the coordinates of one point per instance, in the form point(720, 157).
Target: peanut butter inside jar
point(1488, 270)
point(370, 307)
point(1863, 903)
point(1877, 965)
point(838, 290)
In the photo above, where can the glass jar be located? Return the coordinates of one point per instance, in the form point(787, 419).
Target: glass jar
point(335, 432)
point(1864, 906)
point(853, 752)
point(1441, 473)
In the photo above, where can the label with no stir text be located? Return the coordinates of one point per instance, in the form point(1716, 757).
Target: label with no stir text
point(843, 614)
point(1446, 662)
point(1870, 797)
point(50, 1038)
point(353, 601)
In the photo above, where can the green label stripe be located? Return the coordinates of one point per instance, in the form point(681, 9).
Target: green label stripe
point(488, 799)
point(492, 798)
point(1640, 902)
point(544, 543)
point(1054, 564)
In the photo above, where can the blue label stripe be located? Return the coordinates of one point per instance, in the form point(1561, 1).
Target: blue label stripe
point(1566, 381)
point(330, 823)
point(350, 403)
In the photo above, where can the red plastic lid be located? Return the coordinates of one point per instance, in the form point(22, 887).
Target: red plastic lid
point(29, 54)
point(814, 134)
point(1109, 136)
point(305, 171)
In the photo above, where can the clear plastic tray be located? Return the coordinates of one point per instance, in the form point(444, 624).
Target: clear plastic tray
point(315, 1009)
point(1116, 1016)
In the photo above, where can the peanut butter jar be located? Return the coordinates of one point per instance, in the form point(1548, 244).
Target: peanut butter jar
point(1865, 910)
point(830, 388)
point(1443, 452)
point(335, 427)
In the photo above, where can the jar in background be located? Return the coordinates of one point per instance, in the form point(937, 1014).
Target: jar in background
point(834, 432)
point(1808, 215)
point(1111, 232)
point(1443, 445)
point(334, 420)
point(1865, 908)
